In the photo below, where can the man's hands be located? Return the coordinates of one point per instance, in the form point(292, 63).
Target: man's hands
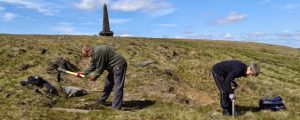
point(231, 96)
point(79, 74)
point(92, 79)
point(234, 85)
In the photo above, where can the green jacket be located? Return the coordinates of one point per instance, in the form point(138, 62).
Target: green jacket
point(103, 58)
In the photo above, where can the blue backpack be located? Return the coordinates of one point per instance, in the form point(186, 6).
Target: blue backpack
point(273, 104)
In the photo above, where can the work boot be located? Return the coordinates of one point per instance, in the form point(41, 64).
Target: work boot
point(226, 113)
point(100, 101)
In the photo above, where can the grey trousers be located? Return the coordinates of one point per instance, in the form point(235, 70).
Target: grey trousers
point(116, 80)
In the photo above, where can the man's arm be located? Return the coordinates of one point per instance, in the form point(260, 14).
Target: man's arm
point(100, 68)
point(91, 68)
point(230, 77)
point(235, 85)
point(100, 64)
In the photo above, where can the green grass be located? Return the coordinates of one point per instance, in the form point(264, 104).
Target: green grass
point(179, 86)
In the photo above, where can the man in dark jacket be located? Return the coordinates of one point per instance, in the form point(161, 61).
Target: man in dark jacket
point(105, 58)
point(224, 74)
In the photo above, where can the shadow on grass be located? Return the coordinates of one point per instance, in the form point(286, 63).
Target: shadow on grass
point(244, 109)
point(137, 104)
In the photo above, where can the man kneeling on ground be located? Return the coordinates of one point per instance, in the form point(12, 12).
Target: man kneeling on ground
point(224, 74)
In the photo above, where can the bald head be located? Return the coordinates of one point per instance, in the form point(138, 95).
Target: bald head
point(86, 51)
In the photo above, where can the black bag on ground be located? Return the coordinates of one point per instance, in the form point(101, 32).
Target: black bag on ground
point(273, 104)
point(40, 82)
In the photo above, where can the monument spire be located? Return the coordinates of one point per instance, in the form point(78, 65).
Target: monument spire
point(105, 28)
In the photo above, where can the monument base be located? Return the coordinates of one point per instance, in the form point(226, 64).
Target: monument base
point(110, 33)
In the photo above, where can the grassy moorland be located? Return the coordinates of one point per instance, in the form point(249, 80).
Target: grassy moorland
point(178, 85)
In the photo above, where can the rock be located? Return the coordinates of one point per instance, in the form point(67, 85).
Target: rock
point(146, 63)
point(43, 50)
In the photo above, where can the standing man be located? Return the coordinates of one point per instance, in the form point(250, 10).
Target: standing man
point(103, 58)
point(224, 74)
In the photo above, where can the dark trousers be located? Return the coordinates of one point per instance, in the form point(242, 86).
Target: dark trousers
point(225, 101)
point(115, 79)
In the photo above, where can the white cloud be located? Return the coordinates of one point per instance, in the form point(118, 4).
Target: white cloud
point(284, 35)
point(162, 12)
point(227, 36)
point(154, 7)
point(125, 35)
point(287, 38)
point(30, 4)
point(288, 35)
point(8, 16)
point(88, 4)
point(118, 21)
point(231, 18)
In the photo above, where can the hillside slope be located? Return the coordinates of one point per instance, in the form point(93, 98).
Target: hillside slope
point(178, 85)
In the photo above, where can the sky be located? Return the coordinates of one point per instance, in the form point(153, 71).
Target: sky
point(264, 21)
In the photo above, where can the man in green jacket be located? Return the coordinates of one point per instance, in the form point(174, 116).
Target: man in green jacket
point(103, 58)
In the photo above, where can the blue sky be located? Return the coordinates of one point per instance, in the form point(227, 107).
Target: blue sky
point(265, 21)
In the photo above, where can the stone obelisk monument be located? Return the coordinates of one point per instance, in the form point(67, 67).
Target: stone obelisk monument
point(105, 28)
